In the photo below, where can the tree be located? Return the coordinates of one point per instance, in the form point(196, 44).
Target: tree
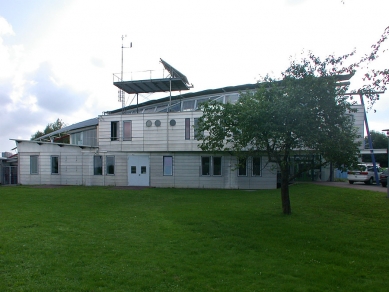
point(379, 141)
point(303, 111)
point(283, 118)
point(51, 127)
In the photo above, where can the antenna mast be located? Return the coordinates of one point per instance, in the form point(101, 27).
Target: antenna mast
point(121, 93)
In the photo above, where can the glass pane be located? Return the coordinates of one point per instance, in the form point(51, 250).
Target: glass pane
point(167, 165)
point(54, 164)
point(175, 108)
point(205, 165)
point(217, 166)
point(188, 105)
point(127, 130)
point(133, 169)
point(187, 128)
point(233, 98)
point(98, 165)
point(143, 169)
point(201, 101)
point(242, 166)
point(114, 131)
point(256, 166)
point(110, 164)
point(90, 137)
point(197, 133)
point(33, 164)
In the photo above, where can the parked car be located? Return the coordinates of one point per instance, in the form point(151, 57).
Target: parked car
point(364, 173)
point(384, 178)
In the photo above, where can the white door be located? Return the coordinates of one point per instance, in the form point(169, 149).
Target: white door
point(138, 170)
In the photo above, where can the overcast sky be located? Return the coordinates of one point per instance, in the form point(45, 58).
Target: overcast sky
point(57, 57)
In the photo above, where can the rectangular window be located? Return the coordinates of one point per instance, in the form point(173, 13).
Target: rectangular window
point(187, 129)
point(76, 138)
point(97, 165)
point(217, 165)
point(114, 131)
point(127, 130)
point(133, 169)
point(54, 164)
point(197, 133)
point(168, 165)
point(34, 164)
point(242, 166)
point(205, 166)
point(256, 166)
point(143, 169)
point(110, 165)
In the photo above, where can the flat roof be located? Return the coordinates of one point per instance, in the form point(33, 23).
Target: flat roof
point(152, 85)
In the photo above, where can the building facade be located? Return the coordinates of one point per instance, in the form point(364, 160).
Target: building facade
point(151, 144)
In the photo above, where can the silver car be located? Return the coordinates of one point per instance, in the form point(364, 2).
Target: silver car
point(364, 173)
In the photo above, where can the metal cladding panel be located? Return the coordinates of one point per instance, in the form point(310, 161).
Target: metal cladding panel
point(151, 85)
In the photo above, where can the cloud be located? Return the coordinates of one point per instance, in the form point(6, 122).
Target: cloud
point(50, 95)
point(97, 62)
point(5, 27)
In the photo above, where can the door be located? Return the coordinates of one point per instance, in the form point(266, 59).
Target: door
point(138, 170)
point(10, 175)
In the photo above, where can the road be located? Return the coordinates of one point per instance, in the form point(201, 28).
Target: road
point(358, 186)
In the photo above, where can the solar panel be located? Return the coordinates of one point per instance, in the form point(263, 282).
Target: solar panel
point(174, 72)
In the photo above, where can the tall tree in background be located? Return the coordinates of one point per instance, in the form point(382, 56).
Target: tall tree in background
point(304, 110)
point(58, 124)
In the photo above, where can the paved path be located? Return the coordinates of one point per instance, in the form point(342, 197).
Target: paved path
point(358, 186)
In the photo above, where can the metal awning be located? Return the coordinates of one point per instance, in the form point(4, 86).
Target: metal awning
point(152, 85)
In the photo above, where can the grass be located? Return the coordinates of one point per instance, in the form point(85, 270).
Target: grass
point(105, 239)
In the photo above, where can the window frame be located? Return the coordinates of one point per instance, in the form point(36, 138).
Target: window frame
point(213, 165)
point(108, 164)
point(187, 128)
point(52, 159)
point(34, 160)
point(210, 170)
point(96, 167)
point(240, 166)
point(114, 130)
point(166, 168)
point(196, 131)
point(125, 137)
point(259, 166)
point(202, 165)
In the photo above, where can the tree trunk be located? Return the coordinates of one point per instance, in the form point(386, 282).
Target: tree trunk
point(286, 209)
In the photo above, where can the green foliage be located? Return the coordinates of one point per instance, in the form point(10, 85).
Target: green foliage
point(304, 112)
point(106, 239)
point(379, 141)
point(281, 118)
point(306, 109)
point(58, 124)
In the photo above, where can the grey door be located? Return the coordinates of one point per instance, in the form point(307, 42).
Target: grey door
point(138, 170)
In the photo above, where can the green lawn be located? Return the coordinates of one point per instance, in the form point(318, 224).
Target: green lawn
point(105, 239)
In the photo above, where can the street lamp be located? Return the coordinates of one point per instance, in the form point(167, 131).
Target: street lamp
point(387, 179)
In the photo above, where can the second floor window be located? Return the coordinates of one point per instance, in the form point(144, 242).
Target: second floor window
point(187, 129)
point(114, 131)
point(127, 130)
